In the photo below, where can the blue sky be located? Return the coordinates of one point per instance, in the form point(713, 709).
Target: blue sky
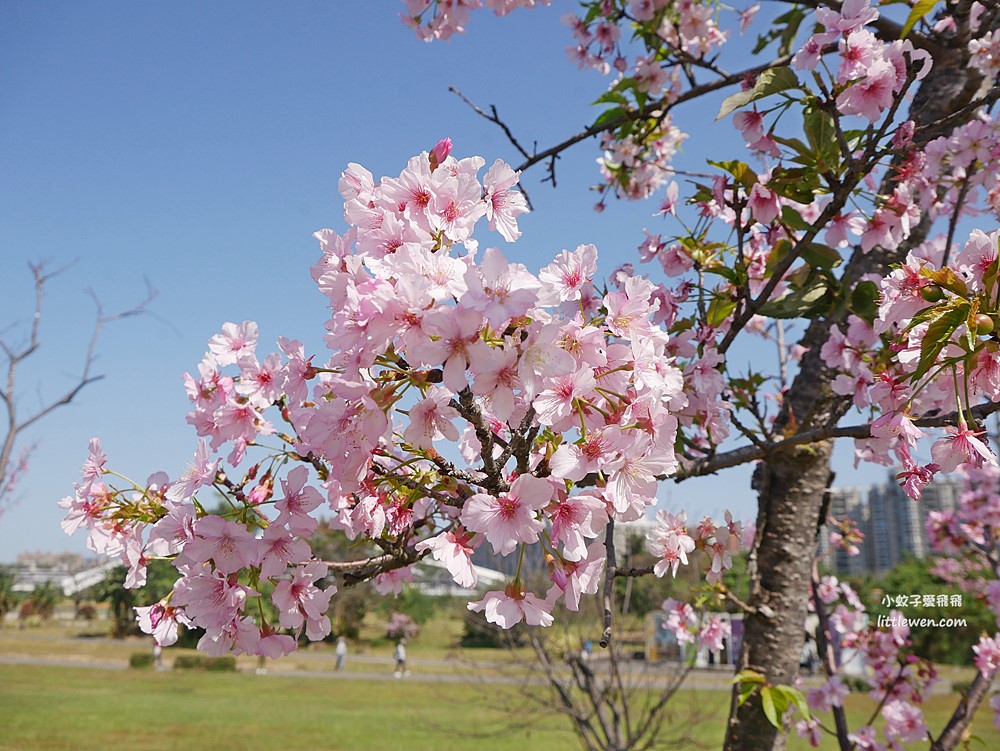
point(199, 145)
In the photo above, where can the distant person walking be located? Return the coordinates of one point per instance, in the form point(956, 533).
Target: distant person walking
point(401, 659)
point(341, 652)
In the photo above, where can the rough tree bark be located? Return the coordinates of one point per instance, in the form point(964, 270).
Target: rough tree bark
point(791, 484)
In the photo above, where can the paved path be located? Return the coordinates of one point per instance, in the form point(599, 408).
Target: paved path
point(422, 671)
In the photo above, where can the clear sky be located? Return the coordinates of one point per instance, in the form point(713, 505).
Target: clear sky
point(199, 145)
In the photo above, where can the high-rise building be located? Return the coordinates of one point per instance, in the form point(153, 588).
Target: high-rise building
point(847, 502)
point(895, 526)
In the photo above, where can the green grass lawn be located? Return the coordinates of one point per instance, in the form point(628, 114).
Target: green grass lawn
point(50, 709)
point(43, 708)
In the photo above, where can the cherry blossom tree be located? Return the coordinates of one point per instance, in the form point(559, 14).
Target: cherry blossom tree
point(468, 400)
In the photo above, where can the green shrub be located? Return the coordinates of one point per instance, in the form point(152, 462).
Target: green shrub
point(857, 683)
point(226, 664)
point(142, 660)
point(961, 687)
point(200, 662)
point(479, 633)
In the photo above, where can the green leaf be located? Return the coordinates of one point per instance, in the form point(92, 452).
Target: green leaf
point(748, 676)
point(769, 82)
point(822, 135)
point(730, 275)
point(779, 252)
point(793, 219)
point(740, 171)
point(821, 256)
point(920, 10)
point(719, 310)
point(796, 697)
point(864, 300)
point(611, 97)
point(608, 116)
point(795, 145)
point(798, 303)
point(938, 335)
point(795, 18)
point(946, 278)
point(797, 183)
point(767, 703)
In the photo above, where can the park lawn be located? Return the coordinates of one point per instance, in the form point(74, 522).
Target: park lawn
point(47, 708)
point(50, 708)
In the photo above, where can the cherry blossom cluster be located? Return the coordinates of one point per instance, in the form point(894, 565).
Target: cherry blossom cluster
point(670, 541)
point(898, 680)
point(439, 19)
point(465, 401)
point(636, 168)
point(704, 630)
point(685, 29)
point(938, 319)
point(966, 539)
point(954, 172)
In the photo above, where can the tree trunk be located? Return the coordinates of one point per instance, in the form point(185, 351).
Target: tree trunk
point(791, 485)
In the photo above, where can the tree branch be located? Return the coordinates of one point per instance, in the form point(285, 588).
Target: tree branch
point(659, 106)
point(735, 457)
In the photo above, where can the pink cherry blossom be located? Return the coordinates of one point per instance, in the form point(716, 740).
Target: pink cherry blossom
point(300, 601)
point(234, 342)
point(577, 578)
point(454, 550)
point(430, 419)
point(564, 278)
point(563, 396)
point(279, 549)
point(960, 448)
point(298, 502)
point(670, 542)
point(764, 204)
point(508, 608)
point(988, 654)
point(573, 520)
point(200, 473)
point(499, 290)
point(229, 545)
point(871, 95)
point(503, 203)
point(161, 621)
point(904, 722)
point(509, 518)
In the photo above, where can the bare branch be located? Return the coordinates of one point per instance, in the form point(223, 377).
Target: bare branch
point(16, 356)
point(659, 106)
point(495, 118)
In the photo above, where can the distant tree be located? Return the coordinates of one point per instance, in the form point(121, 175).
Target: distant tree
point(44, 599)
point(348, 612)
point(16, 353)
point(412, 603)
point(8, 598)
point(400, 626)
point(121, 601)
